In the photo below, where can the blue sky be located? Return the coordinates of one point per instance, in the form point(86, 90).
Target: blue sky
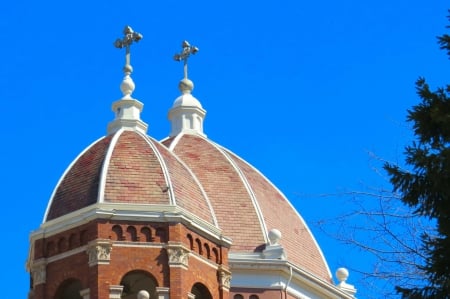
point(300, 89)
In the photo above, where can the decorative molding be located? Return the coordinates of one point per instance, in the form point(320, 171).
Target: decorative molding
point(99, 252)
point(38, 272)
point(86, 293)
point(224, 278)
point(178, 255)
point(115, 291)
point(162, 292)
point(130, 212)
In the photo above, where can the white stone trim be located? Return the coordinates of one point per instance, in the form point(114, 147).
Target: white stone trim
point(99, 252)
point(178, 255)
point(204, 260)
point(66, 254)
point(115, 291)
point(162, 292)
point(86, 293)
point(283, 275)
point(39, 272)
point(64, 175)
point(131, 212)
point(224, 278)
point(105, 166)
point(190, 296)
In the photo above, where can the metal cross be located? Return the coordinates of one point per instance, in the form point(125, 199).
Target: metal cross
point(184, 55)
point(129, 37)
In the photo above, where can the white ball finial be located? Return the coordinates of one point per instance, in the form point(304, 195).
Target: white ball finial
point(143, 294)
point(274, 236)
point(342, 274)
point(127, 86)
point(186, 86)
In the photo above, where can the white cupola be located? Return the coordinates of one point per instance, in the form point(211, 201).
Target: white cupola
point(186, 114)
point(127, 110)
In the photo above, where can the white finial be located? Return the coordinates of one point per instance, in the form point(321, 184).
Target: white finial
point(186, 114)
point(143, 294)
point(127, 86)
point(274, 236)
point(273, 249)
point(342, 276)
point(127, 109)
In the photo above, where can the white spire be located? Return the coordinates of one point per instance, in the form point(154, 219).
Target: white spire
point(186, 114)
point(127, 110)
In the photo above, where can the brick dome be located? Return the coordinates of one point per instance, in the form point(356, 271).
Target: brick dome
point(185, 215)
point(200, 178)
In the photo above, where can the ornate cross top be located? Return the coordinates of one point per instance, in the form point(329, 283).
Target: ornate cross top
point(129, 37)
point(184, 55)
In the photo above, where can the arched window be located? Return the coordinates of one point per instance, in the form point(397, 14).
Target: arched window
point(238, 296)
point(138, 280)
point(253, 297)
point(201, 291)
point(69, 289)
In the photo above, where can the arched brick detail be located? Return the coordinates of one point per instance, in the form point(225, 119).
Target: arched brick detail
point(215, 255)
point(198, 244)
point(207, 251)
point(117, 233)
point(161, 235)
point(191, 241)
point(73, 241)
point(132, 234)
point(62, 244)
point(147, 234)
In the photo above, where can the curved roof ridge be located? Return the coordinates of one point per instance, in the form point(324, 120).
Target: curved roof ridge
point(163, 164)
point(247, 187)
point(202, 190)
point(292, 207)
point(68, 168)
point(175, 141)
point(105, 166)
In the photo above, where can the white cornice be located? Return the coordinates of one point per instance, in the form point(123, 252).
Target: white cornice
point(281, 274)
point(131, 212)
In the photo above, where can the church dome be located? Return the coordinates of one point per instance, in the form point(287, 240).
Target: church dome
point(200, 178)
point(188, 175)
point(184, 216)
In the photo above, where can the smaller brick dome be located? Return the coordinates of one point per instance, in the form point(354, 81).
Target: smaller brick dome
point(128, 167)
